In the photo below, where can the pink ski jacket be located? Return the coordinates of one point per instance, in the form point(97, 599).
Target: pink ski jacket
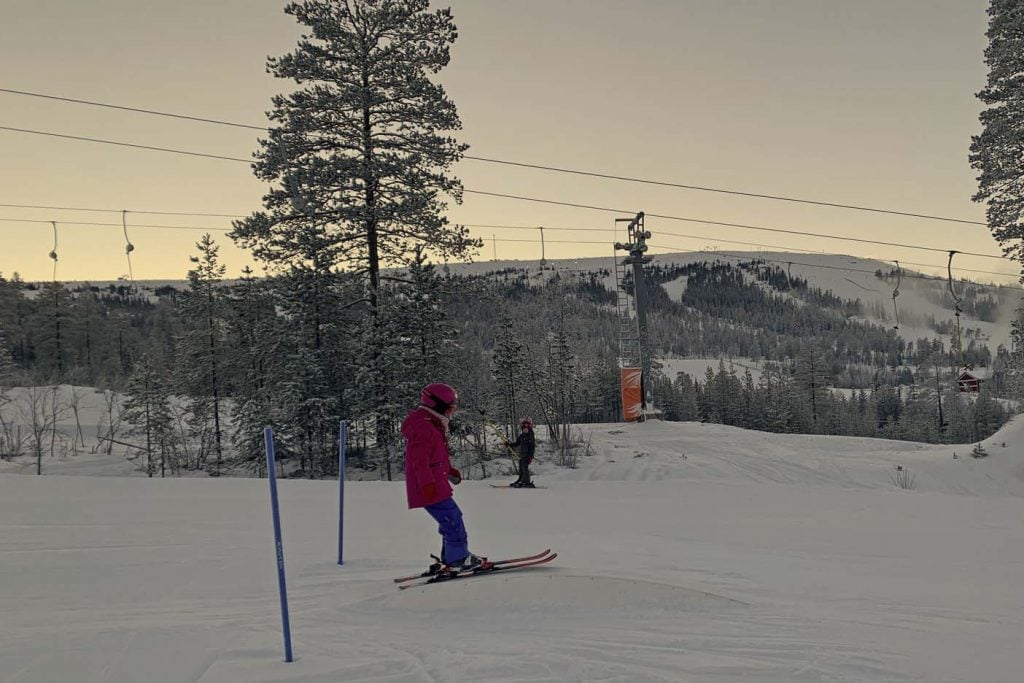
point(426, 459)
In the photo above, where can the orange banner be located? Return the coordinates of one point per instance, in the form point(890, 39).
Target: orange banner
point(632, 393)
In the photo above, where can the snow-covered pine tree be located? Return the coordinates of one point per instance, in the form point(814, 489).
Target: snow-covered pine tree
point(1015, 363)
point(561, 392)
point(986, 414)
point(313, 346)
point(47, 330)
point(147, 408)
point(413, 317)
point(687, 393)
point(959, 423)
point(252, 337)
point(10, 302)
point(998, 151)
point(777, 385)
point(509, 367)
point(359, 155)
point(200, 365)
point(810, 375)
point(6, 360)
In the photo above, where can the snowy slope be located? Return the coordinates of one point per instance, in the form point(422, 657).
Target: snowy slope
point(757, 557)
point(847, 277)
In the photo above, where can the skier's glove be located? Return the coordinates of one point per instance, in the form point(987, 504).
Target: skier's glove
point(454, 476)
point(429, 492)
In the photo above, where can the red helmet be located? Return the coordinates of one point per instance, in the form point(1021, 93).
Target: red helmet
point(527, 422)
point(439, 396)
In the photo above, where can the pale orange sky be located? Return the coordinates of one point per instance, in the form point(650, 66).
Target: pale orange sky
point(868, 102)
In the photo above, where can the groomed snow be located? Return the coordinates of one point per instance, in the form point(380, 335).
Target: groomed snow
point(757, 557)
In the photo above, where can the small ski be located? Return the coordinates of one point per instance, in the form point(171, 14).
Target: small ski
point(443, 578)
point(509, 486)
point(510, 560)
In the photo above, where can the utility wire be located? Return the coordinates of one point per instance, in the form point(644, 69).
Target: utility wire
point(118, 225)
point(125, 144)
point(780, 247)
point(542, 167)
point(106, 105)
point(778, 198)
point(729, 225)
point(544, 201)
point(531, 199)
point(150, 213)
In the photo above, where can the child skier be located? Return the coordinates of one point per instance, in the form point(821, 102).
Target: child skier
point(525, 445)
point(429, 473)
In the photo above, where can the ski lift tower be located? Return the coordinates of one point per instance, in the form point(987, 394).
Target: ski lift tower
point(634, 356)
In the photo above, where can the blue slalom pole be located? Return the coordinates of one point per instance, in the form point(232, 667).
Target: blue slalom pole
point(341, 488)
point(268, 439)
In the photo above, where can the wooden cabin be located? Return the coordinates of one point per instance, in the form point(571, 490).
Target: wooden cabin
point(970, 380)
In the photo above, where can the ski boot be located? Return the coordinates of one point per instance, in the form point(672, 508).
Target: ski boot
point(469, 564)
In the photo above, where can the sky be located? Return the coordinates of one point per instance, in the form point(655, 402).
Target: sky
point(686, 552)
point(869, 103)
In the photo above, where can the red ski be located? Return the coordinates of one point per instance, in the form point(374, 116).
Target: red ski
point(433, 571)
point(442, 577)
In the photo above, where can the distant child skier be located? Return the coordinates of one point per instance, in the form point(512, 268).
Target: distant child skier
point(429, 473)
point(525, 446)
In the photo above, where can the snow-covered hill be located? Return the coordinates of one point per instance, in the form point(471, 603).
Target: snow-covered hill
point(847, 277)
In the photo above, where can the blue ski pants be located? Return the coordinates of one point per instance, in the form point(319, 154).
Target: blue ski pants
point(455, 542)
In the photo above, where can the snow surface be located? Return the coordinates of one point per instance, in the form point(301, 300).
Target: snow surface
point(687, 552)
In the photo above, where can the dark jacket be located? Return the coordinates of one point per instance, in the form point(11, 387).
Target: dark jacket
point(525, 444)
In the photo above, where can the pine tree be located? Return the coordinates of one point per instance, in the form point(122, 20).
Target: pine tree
point(147, 408)
point(810, 376)
point(360, 154)
point(200, 358)
point(998, 152)
point(413, 317)
point(6, 361)
point(252, 336)
point(687, 392)
point(987, 415)
point(508, 366)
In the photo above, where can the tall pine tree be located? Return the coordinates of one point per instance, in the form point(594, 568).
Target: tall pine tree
point(201, 349)
point(998, 151)
point(359, 155)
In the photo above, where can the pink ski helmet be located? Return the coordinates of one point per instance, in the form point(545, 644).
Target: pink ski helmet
point(527, 422)
point(440, 397)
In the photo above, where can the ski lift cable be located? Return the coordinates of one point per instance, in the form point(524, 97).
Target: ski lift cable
point(493, 237)
point(96, 210)
point(744, 242)
point(520, 164)
point(116, 225)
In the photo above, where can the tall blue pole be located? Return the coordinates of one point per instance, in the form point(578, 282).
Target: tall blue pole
point(341, 488)
point(268, 440)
